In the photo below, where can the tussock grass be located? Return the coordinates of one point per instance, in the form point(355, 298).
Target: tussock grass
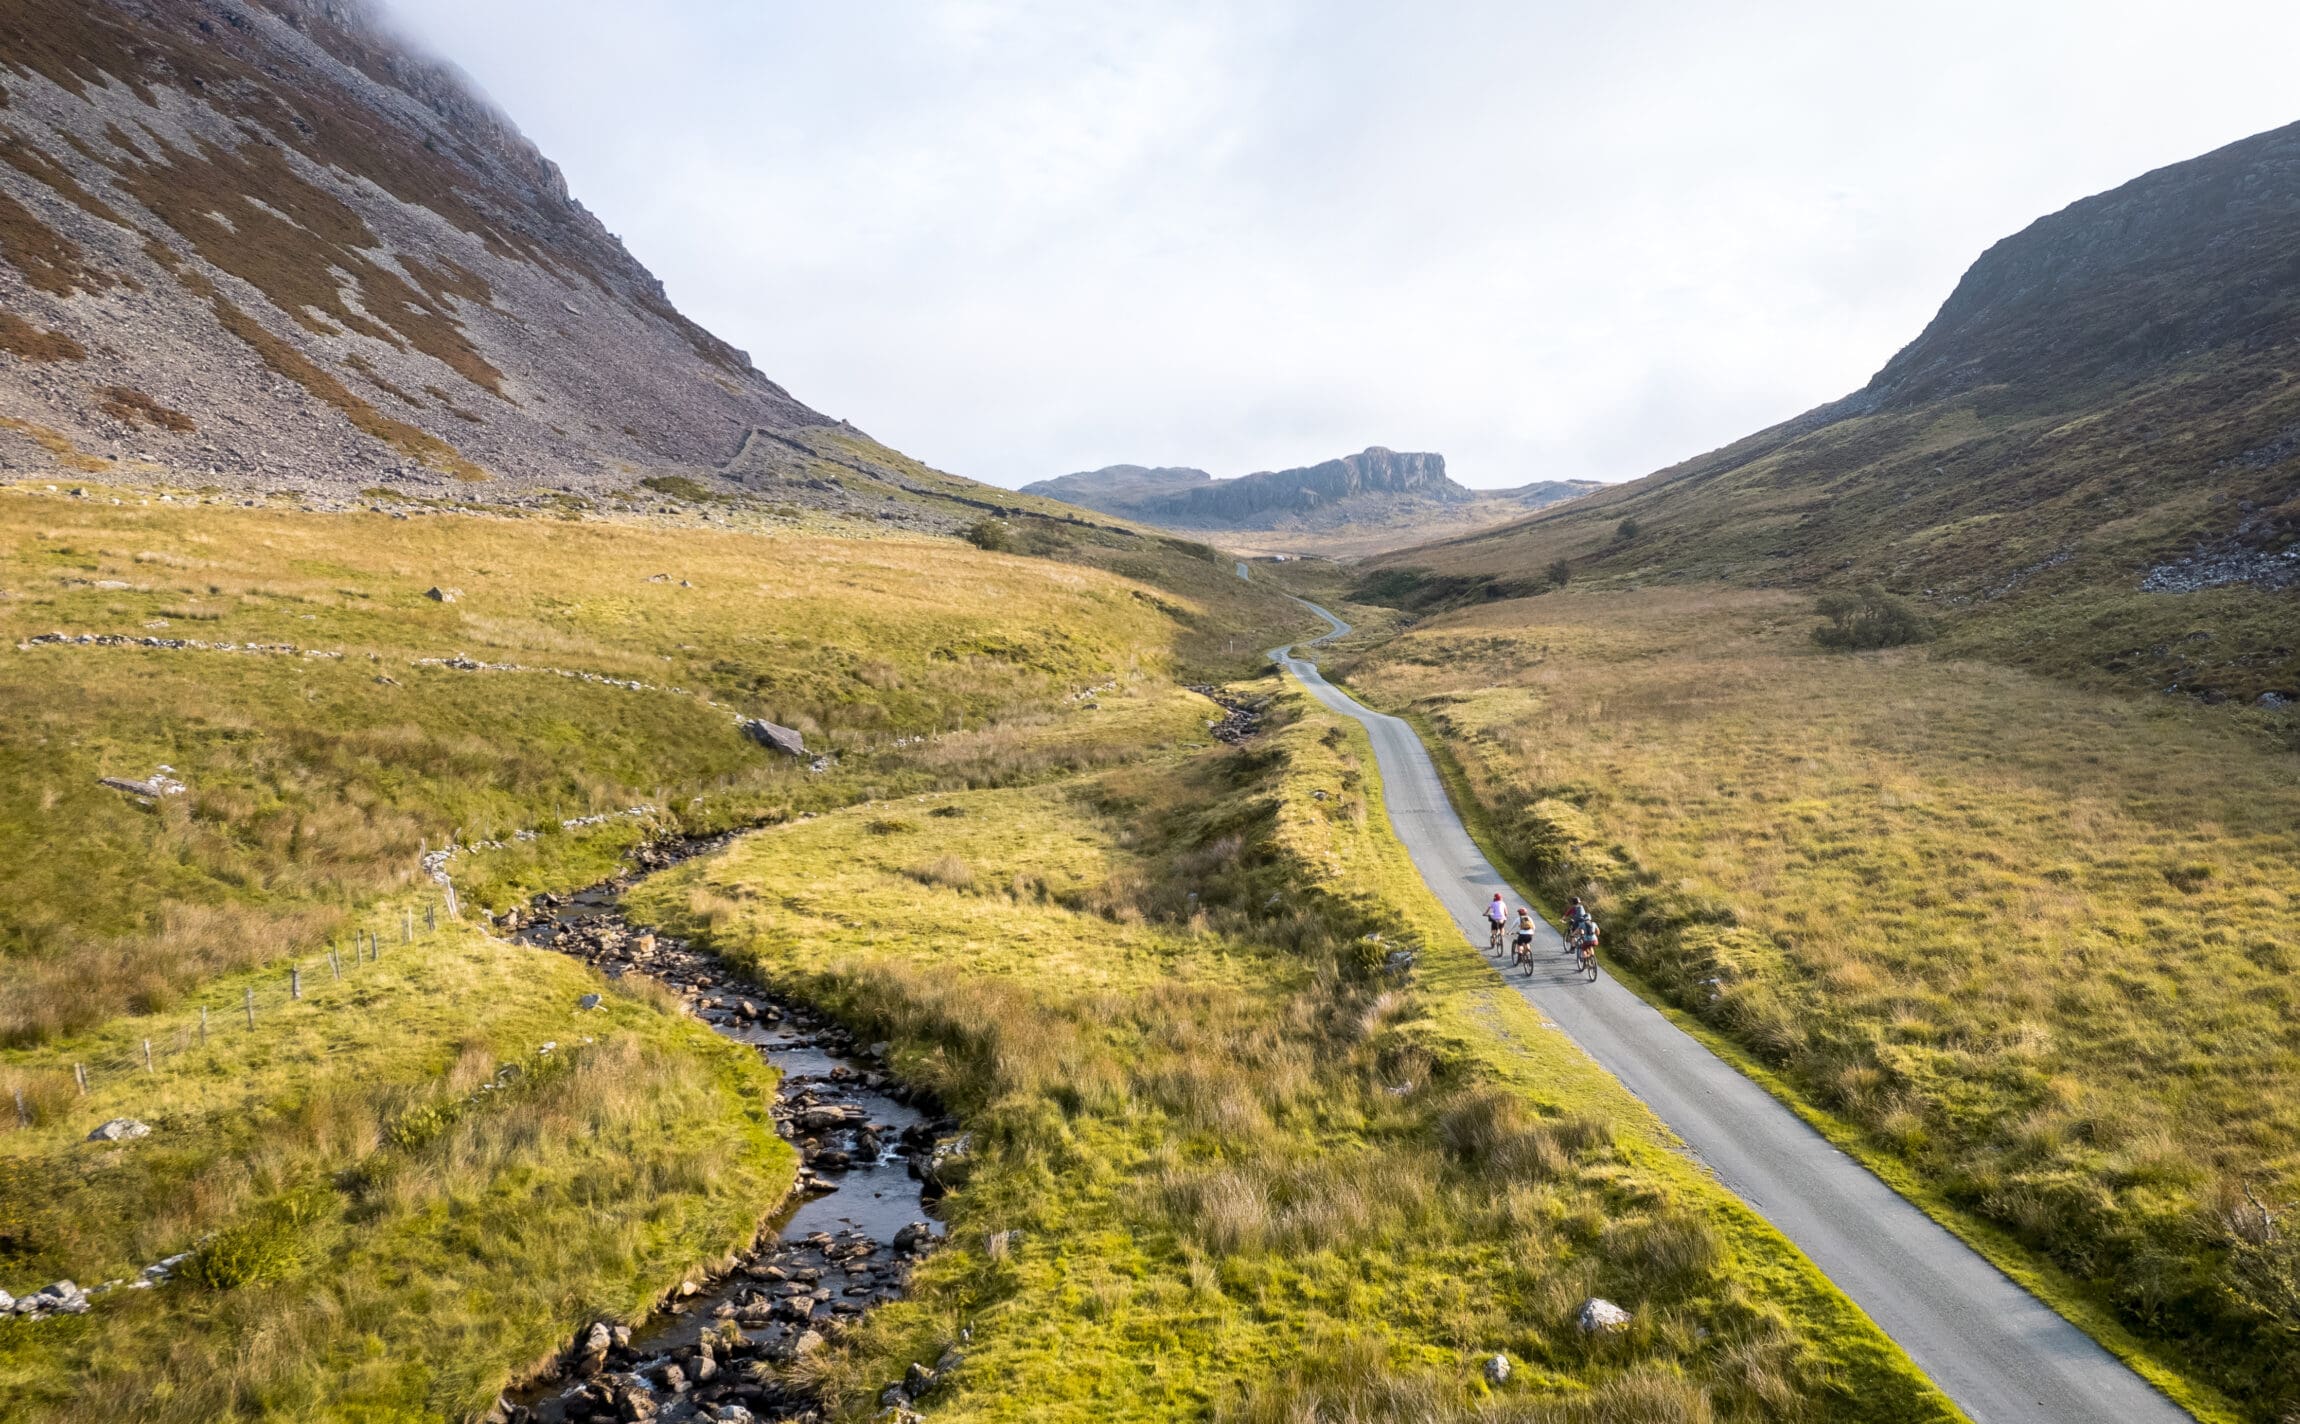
point(1209, 1144)
point(385, 1222)
point(2035, 944)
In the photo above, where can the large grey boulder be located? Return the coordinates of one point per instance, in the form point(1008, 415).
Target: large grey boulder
point(774, 736)
point(120, 1129)
point(1600, 1316)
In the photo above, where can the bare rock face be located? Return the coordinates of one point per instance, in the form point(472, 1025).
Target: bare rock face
point(258, 242)
point(1374, 488)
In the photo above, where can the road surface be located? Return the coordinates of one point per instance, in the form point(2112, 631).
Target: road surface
point(1999, 1352)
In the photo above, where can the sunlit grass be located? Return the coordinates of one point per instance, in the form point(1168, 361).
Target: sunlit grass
point(2038, 943)
point(1210, 1147)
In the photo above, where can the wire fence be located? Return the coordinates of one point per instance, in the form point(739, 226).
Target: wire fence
point(332, 979)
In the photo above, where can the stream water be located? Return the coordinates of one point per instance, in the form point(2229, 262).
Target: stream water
point(859, 1217)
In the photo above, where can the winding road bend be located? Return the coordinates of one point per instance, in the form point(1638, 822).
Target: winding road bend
point(1999, 1352)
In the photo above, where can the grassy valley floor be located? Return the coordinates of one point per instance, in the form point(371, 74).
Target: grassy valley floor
point(2034, 945)
point(394, 1195)
point(1222, 1165)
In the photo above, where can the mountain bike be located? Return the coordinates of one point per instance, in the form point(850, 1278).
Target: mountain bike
point(1588, 954)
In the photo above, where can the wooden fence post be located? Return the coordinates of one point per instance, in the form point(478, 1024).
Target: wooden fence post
point(295, 982)
point(23, 1114)
point(431, 918)
point(251, 1007)
point(148, 1056)
point(203, 1025)
point(80, 1076)
point(334, 965)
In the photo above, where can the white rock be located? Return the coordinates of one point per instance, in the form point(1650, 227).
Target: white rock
point(120, 1129)
point(1600, 1316)
point(1497, 1370)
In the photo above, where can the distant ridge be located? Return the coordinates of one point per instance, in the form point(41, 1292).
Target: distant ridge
point(1371, 495)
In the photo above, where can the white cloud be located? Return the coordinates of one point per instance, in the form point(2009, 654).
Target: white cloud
point(1551, 240)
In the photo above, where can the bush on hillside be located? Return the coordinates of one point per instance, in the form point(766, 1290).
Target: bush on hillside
point(1868, 618)
point(991, 534)
point(1194, 549)
point(1627, 530)
point(679, 487)
point(2263, 1268)
point(1560, 573)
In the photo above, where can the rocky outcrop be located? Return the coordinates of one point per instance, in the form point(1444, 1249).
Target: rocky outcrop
point(1374, 488)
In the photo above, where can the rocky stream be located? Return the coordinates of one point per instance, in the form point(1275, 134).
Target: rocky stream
point(859, 1217)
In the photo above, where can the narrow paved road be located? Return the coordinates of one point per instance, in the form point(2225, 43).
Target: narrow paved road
point(1998, 1351)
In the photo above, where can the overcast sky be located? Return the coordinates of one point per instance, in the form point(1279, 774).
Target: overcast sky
point(1550, 240)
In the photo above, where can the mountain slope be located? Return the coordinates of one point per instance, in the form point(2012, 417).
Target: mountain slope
point(2102, 417)
point(256, 244)
point(1377, 497)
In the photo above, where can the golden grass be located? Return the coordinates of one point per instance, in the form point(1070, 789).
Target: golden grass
point(21, 338)
point(315, 782)
point(126, 403)
point(2038, 944)
point(59, 445)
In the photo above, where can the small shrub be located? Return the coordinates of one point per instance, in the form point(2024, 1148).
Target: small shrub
point(1627, 530)
point(418, 1125)
point(262, 1247)
point(1560, 572)
point(1194, 549)
point(2263, 1264)
point(992, 535)
point(949, 871)
point(888, 826)
point(1868, 618)
point(679, 487)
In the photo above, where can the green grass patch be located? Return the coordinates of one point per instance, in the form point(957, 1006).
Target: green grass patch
point(394, 1194)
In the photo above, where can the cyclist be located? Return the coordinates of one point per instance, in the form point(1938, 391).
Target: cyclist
point(1496, 916)
point(1585, 950)
point(1521, 946)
